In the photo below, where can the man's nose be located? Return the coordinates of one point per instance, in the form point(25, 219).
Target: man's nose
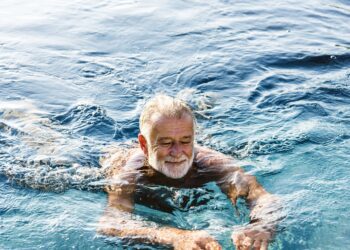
point(175, 150)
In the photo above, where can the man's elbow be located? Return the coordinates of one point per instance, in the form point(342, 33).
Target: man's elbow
point(106, 228)
point(109, 231)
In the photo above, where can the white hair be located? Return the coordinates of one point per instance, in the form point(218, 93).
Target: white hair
point(163, 105)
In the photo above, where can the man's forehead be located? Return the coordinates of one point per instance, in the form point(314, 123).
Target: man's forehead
point(163, 126)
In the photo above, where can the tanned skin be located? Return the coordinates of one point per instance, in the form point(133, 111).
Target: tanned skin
point(129, 168)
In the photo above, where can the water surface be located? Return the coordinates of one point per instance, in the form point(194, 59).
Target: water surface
point(269, 83)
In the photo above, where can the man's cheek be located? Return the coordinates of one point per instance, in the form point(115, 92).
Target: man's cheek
point(161, 153)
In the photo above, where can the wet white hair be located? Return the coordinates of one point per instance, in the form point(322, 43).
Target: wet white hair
point(163, 105)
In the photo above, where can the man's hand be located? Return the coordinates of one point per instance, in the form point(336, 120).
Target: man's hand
point(196, 240)
point(252, 237)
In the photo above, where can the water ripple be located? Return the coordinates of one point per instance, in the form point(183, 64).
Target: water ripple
point(306, 62)
point(93, 70)
point(272, 82)
point(87, 120)
point(267, 80)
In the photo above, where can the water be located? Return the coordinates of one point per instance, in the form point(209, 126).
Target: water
point(269, 82)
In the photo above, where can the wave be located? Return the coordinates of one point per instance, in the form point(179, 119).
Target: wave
point(92, 69)
point(10, 130)
point(269, 145)
point(322, 95)
point(272, 82)
point(53, 177)
point(288, 137)
point(87, 119)
point(305, 61)
point(39, 151)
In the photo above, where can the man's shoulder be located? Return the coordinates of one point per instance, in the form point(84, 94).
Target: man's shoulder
point(209, 158)
point(120, 158)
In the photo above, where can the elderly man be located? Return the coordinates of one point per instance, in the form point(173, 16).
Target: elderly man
point(168, 156)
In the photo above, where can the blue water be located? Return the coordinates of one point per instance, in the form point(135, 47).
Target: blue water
point(269, 82)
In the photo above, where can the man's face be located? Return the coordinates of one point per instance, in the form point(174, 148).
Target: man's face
point(170, 145)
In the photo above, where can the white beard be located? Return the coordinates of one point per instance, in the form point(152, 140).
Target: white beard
point(174, 171)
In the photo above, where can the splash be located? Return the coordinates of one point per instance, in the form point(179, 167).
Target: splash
point(42, 154)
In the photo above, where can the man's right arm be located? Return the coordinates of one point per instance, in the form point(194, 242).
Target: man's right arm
point(118, 220)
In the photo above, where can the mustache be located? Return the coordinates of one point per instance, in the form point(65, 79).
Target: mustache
point(176, 159)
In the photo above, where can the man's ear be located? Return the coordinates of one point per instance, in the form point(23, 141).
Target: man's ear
point(143, 144)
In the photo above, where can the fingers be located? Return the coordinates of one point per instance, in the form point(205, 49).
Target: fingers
point(247, 243)
point(244, 242)
point(260, 244)
point(238, 239)
point(257, 245)
point(209, 244)
point(213, 246)
point(264, 245)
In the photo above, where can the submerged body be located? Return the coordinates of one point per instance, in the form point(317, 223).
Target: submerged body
point(168, 156)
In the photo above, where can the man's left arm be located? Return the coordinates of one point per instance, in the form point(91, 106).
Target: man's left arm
point(265, 208)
